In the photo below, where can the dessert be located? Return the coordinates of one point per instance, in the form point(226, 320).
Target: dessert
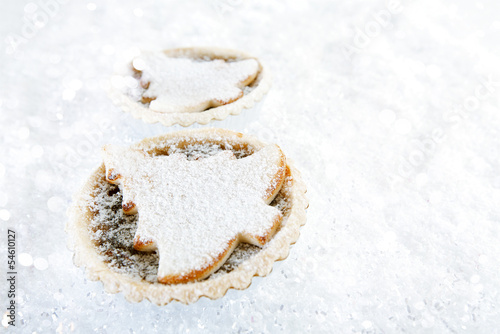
point(188, 85)
point(220, 207)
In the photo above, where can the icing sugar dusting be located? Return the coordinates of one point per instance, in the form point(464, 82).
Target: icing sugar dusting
point(113, 232)
point(188, 85)
point(198, 207)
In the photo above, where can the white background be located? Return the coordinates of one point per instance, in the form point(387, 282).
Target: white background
point(390, 110)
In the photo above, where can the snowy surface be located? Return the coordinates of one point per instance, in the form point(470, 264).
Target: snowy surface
point(391, 111)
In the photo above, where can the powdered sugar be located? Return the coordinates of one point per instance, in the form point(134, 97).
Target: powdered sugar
point(113, 232)
point(177, 198)
point(189, 85)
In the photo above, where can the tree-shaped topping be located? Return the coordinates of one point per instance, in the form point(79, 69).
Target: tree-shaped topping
point(194, 213)
point(191, 85)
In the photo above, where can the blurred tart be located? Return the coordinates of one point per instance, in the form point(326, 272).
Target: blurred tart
point(187, 214)
point(188, 85)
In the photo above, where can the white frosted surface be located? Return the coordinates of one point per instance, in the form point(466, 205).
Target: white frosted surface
point(398, 143)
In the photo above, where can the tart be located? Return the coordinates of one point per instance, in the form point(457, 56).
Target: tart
point(187, 85)
point(139, 255)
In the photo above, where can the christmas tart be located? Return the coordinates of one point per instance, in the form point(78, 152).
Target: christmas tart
point(186, 214)
point(188, 85)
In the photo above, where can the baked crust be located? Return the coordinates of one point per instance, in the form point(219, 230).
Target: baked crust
point(259, 87)
point(135, 289)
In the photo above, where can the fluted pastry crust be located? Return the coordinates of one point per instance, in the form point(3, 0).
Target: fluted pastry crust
point(252, 93)
point(215, 286)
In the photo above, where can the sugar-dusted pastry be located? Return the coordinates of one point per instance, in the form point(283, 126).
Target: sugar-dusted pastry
point(183, 86)
point(195, 212)
point(187, 214)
